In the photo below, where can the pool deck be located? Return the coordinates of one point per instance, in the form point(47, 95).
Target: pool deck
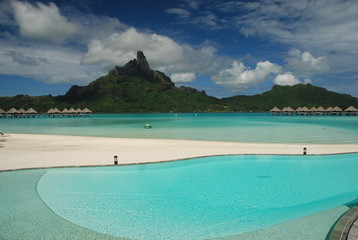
point(29, 151)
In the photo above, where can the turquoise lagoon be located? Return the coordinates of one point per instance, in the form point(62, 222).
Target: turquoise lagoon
point(236, 127)
point(201, 198)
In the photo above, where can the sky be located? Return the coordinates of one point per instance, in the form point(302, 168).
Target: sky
point(223, 47)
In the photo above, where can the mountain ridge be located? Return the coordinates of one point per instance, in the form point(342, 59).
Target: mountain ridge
point(136, 88)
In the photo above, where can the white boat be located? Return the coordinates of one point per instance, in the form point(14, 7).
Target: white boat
point(147, 126)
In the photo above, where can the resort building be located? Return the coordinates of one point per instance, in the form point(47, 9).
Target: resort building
point(303, 111)
point(52, 112)
point(2, 113)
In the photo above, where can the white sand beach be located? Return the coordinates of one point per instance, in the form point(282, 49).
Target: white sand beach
point(22, 151)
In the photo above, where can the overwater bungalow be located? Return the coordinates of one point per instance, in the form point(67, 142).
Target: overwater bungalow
point(313, 111)
point(86, 111)
point(337, 111)
point(53, 112)
point(22, 112)
point(65, 111)
point(351, 111)
point(321, 110)
point(329, 110)
point(30, 112)
point(275, 111)
point(303, 111)
point(2, 113)
point(288, 111)
point(12, 113)
point(79, 112)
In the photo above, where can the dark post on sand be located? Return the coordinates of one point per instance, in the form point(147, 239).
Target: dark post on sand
point(115, 160)
point(304, 151)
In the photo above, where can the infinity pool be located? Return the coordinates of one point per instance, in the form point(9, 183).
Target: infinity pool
point(200, 198)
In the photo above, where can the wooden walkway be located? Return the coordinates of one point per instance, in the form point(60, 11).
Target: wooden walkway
point(346, 227)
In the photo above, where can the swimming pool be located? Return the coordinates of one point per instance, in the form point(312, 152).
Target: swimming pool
point(200, 198)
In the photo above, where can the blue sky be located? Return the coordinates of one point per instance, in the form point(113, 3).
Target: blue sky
point(224, 47)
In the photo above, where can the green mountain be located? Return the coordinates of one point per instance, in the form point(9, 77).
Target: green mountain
point(294, 96)
point(135, 88)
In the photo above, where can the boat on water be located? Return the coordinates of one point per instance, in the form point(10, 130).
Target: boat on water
point(147, 126)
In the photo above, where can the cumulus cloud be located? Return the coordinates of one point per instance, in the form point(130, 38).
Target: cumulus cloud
point(46, 63)
point(182, 77)
point(163, 53)
point(304, 64)
point(328, 27)
point(286, 79)
point(239, 77)
point(325, 28)
point(119, 48)
point(42, 22)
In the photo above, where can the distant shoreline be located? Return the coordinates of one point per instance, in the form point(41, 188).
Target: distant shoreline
point(30, 151)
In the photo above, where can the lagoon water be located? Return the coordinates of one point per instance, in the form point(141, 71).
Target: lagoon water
point(200, 198)
point(235, 127)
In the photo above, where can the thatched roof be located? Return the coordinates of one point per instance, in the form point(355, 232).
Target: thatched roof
point(55, 110)
point(31, 111)
point(21, 110)
point(86, 110)
point(289, 109)
point(313, 109)
point(2, 111)
point(78, 110)
point(305, 109)
point(330, 109)
point(299, 109)
point(72, 110)
point(321, 109)
point(275, 109)
point(12, 111)
point(65, 110)
point(337, 109)
point(351, 109)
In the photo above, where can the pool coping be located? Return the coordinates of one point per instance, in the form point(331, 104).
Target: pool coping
point(342, 228)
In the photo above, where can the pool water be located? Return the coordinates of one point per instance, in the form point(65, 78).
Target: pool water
point(200, 198)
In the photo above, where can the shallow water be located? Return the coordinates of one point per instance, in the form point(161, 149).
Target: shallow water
point(200, 198)
point(236, 127)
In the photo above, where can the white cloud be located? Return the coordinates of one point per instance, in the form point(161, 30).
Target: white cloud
point(163, 53)
point(303, 64)
point(42, 22)
point(286, 79)
point(119, 48)
point(182, 77)
point(179, 12)
point(46, 63)
point(238, 77)
point(327, 27)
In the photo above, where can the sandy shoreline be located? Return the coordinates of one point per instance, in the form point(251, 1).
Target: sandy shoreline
point(22, 151)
